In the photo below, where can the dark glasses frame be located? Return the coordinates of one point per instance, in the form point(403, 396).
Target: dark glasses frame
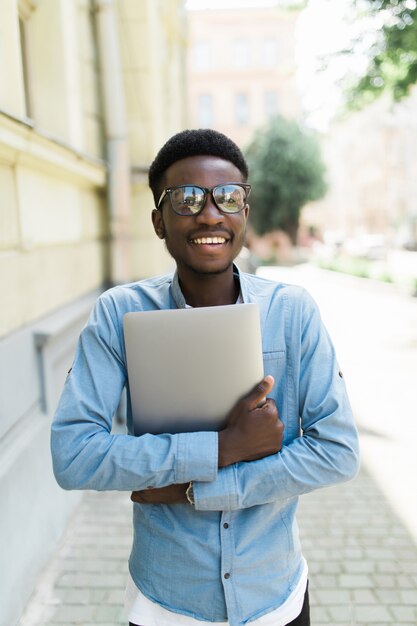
point(207, 191)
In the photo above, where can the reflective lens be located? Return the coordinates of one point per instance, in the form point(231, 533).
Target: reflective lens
point(190, 199)
point(230, 198)
point(187, 200)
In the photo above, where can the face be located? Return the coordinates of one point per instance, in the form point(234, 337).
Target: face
point(184, 235)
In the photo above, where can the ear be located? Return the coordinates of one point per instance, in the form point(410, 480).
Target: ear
point(246, 211)
point(158, 223)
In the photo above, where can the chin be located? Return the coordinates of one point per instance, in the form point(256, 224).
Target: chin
point(213, 270)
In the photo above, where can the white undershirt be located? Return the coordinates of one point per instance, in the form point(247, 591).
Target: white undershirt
point(142, 611)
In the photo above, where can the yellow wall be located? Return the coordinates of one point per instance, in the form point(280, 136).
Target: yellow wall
point(53, 216)
point(52, 226)
point(152, 41)
point(52, 176)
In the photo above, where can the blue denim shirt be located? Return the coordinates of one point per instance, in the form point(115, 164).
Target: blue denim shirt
point(236, 555)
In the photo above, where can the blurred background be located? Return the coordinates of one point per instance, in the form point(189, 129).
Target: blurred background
point(321, 97)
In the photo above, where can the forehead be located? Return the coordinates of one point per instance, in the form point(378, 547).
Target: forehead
point(203, 170)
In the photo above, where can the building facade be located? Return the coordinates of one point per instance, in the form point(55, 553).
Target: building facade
point(241, 68)
point(89, 90)
point(371, 160)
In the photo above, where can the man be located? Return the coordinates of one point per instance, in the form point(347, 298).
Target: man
point(215, 535)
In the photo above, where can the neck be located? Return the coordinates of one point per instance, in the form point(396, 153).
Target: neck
point(209, 289)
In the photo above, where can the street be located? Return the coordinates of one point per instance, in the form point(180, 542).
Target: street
point(374, 329)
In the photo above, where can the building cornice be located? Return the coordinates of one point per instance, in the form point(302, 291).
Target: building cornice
point(23, 144)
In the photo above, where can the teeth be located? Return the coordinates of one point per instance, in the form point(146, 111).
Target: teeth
point(210, 240)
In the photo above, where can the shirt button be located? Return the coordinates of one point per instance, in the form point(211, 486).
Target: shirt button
point(227, 575)
point(225, 525)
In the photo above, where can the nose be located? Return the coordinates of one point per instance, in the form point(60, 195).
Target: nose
point(210, 214)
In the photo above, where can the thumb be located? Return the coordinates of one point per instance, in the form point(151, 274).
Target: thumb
point(258, 394)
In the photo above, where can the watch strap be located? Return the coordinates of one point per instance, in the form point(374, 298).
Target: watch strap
point(190, 494)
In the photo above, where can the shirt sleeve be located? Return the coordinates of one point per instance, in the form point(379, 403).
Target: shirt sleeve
point(325, 453)
point(86, 455)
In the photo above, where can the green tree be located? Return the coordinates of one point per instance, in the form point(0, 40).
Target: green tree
point(393, 56)
point(286, 172)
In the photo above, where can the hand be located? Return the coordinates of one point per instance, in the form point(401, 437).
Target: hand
point(254, 429)
point(172, 494)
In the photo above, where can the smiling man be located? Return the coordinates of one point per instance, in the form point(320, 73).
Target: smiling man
point(215, 534)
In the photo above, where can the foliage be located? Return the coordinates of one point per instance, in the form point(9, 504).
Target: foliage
point(354, 266)
point(393, 56)
point(286, 172)
point(347, 265)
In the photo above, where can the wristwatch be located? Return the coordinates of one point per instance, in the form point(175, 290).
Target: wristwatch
point(190, 494)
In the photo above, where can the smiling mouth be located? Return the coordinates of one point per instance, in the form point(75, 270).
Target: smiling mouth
point(209, 240)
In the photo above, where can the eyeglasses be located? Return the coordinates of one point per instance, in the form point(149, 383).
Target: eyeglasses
point(190, 199)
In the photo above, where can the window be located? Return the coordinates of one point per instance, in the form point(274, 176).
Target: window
point(202, 55)
point(241, 53)
point(241, 108)
point(269, 53)
point(205, 110)
point(271, 103)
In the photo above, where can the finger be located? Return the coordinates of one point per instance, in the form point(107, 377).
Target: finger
point(138, 496)
point(270, 407)
point(258, 394)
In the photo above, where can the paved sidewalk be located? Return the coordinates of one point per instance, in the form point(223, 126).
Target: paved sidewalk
point(363, 564)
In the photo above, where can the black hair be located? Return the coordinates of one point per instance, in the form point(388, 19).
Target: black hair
point(203, 141)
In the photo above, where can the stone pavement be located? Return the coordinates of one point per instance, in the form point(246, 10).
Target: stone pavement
point(363, 563)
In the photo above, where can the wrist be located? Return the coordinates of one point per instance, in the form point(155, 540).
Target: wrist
point(224, 456)
point(220, 453)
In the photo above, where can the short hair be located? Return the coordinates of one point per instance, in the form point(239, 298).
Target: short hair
point(203, 141)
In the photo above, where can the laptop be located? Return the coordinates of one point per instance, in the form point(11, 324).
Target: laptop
point(188, 367)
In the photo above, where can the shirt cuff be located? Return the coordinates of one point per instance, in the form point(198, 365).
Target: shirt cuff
point(221, 494)
point(197, 457)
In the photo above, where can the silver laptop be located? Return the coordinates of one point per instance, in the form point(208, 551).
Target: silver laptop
point(188, 367)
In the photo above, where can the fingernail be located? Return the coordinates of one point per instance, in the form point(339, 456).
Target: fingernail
point(269, 379)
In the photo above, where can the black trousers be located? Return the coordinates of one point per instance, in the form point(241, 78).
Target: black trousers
point(302, 620)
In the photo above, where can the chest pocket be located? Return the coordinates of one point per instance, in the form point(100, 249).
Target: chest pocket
point(274, 363)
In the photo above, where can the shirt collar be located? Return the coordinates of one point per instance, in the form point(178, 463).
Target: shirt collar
point(178, 296)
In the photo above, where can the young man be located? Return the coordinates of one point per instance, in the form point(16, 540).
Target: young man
point(215, 535)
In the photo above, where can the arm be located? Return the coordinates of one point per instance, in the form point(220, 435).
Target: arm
point(325, 453)
point(86, 455)
point(253, 431)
